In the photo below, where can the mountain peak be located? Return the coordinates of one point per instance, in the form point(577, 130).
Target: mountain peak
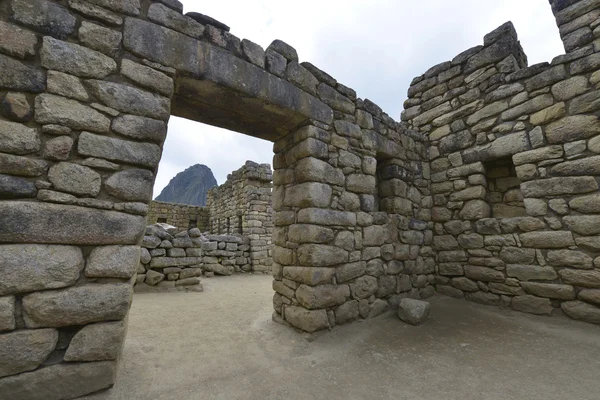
point(189, 186)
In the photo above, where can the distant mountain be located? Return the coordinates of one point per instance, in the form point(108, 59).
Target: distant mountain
point(189, 186)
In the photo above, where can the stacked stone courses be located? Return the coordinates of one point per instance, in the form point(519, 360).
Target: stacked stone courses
point(528, 239)
point(487, 190)
point(243, 206)
point(179, 215)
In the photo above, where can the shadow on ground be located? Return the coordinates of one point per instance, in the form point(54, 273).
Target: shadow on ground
point(222, 344)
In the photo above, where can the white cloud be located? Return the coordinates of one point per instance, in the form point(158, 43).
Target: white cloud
point(373, 46)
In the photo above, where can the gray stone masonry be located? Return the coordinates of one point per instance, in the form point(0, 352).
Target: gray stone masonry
point(487, 190)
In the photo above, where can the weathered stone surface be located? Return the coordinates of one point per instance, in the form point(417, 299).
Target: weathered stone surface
point(145, 154)
point(75, 179)
point(483, 274)
point(537, 155)
point(569, 258)
point(77, 306)
point(7, 313)
point(206, 20)
point(573, 128)
point(147, 77)
point(364, 287)
point(334, 99)
point(581, 311)
point(559, 186)
point(113, 262)
point(16, 107)
point(309, 275)
point(58, 148)
point(27, 268)
point(20, 77)
point(131, 100)
point(475, 210)
point(531, 272)
point(18, 139)
point(586, 204)
point(309, 194)
point(12, 187)
point(129, 7)
point(588, 295)
point(550, 290)
point(516, 255)
point(489, 299)
point(44, 15)
point(307, 320)
point(322, 296)
point(570, 88)
point(142, 128)
point(131, 185)
point(62, 224)
point(17, 42)
point(347, 312)
point(317, 255)
point(584, 225)
point(301, 77)
point(100, 38)
point(97, 342)
point(25, 350)
point(583, 278)
point(314, 170)
point(62, 381)
point(51, 109)
point(350, 271)
point(414, 312)
point(75, 60)
point(532, 305)
point(22, 166)
point(153, 278)
point(253, 53)
point(174, 20)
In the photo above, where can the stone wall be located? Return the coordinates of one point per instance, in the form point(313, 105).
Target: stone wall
point(243, 206)
point(366, 210)
point(175, 259)
point(515, 168)
point(183, 216)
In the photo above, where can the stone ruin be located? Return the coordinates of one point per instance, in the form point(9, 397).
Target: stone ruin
point(486, 190)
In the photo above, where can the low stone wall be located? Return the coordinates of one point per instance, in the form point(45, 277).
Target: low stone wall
point(174, 259)
point(183, 216)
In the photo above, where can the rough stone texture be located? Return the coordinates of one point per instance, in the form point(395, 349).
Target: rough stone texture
point(27, 268)
point(147, 77)
point(44, 15)
point(75, 60)
point(75, 179)
point(97, 342)
point(141, 128)
point(51, 109)
point(17, 42)
point(100, 38)
point(77, 306)
point(581, 311)
point(64, 381)
point(23, 351)
point(21, 77)
point(131, 185)
point(113, 262)
point(145, 154)
point(18, 139)
point(7, 313)
point(413, 312)
point(307, 320)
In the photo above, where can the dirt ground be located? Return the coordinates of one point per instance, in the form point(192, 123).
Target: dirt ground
point(222, 344)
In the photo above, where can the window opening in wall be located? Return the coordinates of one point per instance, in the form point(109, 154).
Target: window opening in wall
point(162, 221)
point(193, 223)
point(240, 228)
point(503, 189)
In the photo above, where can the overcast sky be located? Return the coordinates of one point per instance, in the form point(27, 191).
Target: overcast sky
point(373, 46)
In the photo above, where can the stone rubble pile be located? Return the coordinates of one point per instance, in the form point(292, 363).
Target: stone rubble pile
point(172, 258)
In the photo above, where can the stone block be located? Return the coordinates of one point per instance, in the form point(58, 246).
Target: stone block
point(75, 60)
point(347, 312)
point(131, 185)
point(310, 194)
point(17, 42)
point(27, 268)
point(550, 290)
point(582, 278)
point(7, 313)
point(306, 320)
point(483, 274)
point(97, 342)
point(317, 255)
point(532, 305)
point(113, 262)
point(77, 306)
point(350, 271)
point(99, 38)
point(531, 272)
point(18, 139)
point(45, 16)
point(364, 287)
point(25, 350)
point(140, 128)
point(572, 128)
point(581, 311)
point(322, 296)
point(62, 381)
point(75, 179)
point(547, 240)
point(145, 154)
point(414, 312)
point(51, 109)
point(309, 275)
point(147, 77)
